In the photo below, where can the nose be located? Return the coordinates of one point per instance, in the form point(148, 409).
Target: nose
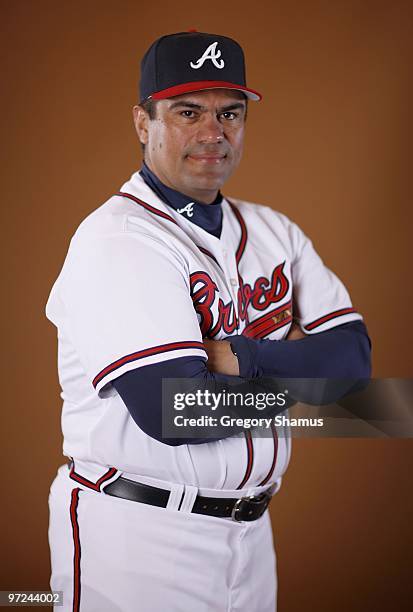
point(210, 129)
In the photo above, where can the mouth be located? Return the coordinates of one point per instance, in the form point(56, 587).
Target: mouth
point(208, 158)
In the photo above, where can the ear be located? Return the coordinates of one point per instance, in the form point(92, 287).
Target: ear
point(140, 119)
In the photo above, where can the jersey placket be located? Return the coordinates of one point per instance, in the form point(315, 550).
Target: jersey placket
point(223, 250)
point(231, 276)
point(228, 243)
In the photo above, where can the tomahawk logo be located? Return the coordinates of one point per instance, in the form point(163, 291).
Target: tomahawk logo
point(210, 54)
point(188, 209)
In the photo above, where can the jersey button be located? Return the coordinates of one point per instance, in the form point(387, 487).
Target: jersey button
point(234, 282)
point(224, 252)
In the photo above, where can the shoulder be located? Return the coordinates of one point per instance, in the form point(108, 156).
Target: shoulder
point(266, 223)
point(132, 212)
point(108, 218)
point(252, 211)
point(125, 232)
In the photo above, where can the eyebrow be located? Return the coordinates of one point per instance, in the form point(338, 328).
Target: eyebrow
point(223, 109)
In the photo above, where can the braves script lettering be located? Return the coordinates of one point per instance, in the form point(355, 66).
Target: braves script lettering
point(260, 296)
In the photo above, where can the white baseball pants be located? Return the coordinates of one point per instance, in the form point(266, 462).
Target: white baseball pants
point(115, 555)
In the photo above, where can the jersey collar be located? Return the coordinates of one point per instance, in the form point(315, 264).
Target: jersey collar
point(207, 216)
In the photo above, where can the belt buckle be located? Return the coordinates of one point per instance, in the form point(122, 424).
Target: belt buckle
point(252, 507)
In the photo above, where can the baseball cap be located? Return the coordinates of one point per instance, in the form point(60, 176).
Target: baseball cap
point(191, 61)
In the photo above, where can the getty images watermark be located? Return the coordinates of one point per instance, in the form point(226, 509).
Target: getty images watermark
point(228, 399)
point(299, 407)
point(206, 399)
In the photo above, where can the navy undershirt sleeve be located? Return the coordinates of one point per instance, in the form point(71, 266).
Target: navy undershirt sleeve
point(342, 352)
point(141, 392)
point(341, 355)
point(324, 367)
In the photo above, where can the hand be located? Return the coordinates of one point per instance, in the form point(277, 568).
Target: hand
point(221, 359)
point(295, 332)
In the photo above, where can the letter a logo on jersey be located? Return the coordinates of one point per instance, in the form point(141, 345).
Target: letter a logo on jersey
point(210, 54)
point(188, 209)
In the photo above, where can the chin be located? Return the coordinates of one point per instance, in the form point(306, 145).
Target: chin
point(208, 186)
point(209, 180)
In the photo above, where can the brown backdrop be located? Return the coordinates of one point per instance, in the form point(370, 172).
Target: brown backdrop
point(328, 146)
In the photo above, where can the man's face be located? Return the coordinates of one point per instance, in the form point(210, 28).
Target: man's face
point(195, 141)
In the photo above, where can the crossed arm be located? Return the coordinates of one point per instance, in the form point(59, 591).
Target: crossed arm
point(222, 359)
point(343, 353)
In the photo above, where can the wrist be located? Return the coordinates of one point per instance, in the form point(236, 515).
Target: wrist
point(245, 350)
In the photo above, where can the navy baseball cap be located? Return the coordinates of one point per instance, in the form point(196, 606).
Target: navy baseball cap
point(191, 61)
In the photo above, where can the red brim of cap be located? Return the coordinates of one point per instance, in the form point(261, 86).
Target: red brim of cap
point(178, 90)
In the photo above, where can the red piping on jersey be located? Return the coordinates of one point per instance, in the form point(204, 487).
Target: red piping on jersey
point(151, 209)
point(244, 233)
point(162, 348)
point(328, 317)
point(266, 331)
point(160, 213)
point(265, 325)
point(267, 319)
point(88, 483)
point(76, 549)
point(206, 252)
point(268, 328)
point(274, 459)
point(250, 459)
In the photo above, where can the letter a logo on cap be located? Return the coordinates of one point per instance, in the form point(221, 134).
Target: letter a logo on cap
point(212, 54)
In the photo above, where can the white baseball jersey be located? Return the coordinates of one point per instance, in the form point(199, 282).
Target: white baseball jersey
point(142, 284)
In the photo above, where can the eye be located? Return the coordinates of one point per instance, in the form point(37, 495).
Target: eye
point(229, 115)
point(189, 114)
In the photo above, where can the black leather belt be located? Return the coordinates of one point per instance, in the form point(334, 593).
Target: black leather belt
point(248, 508)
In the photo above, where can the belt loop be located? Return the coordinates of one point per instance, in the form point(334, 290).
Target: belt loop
point(188, 499)
point(177, 491)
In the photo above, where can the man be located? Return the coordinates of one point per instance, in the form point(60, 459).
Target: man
point(153, 284)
